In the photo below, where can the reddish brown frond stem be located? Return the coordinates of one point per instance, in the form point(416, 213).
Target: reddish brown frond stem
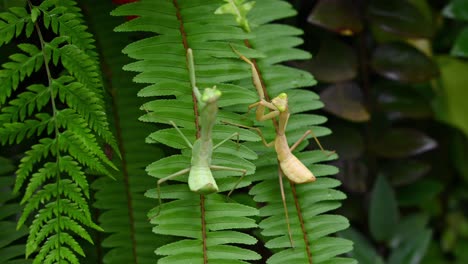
point(301, 221)
point(197, 127)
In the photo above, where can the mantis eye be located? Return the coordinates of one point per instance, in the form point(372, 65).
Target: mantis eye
point(211, 94)
point(281, 102)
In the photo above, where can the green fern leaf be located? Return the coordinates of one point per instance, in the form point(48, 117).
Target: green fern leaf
point(33, 156)
point(20, 66)
point(26, 103)
point(12, 24)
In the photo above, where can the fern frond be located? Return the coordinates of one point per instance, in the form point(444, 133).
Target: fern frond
point(123, 207)
point(65, 19)
point(307, 204)
point(12, 24)
point(20, 67)
point(26, 103)
point(66, 125)
point(161, 63)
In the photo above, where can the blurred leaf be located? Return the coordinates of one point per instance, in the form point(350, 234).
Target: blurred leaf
point(403, 172)
point(345, 100)
point(383, 211)
point(408, 228)
point(402, 62)
point(457, 9)
point(339, 16)
point(334, 62)
point(419, 193)
point(460, 152)
point(353, 174)
point(400, 17)
point(401, 143)
point(346, 140)
point(363, 251)
point(450, 104)
point(460, 48)
point(402, 101)
point(5, 166)
point(412, 250)
point(460, 251)
point(434, 255)
point(6, 4)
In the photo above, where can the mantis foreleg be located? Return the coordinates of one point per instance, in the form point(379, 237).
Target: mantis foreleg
point(182, 135)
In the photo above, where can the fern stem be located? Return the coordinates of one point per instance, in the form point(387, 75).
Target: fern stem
point(197, 127)
point(301, 221)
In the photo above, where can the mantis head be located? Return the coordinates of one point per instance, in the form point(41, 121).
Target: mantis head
point(281, 102)
point(211, 95)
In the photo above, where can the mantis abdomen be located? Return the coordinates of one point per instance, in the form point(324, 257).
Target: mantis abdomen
point(292, 167)
point(201, 180)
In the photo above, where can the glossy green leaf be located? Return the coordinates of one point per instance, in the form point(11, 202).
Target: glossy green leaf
point(363, 251)
point(419, 193)
point(404, 63)
point(383, 211)
point(412, 250)
point(402, 142)
point(339, 16)
point(460, 48)
point(400, 17)
point(404, 171)
point(460, 152)
point(408, 228)
point(346, 140)
point(334, 62)
point(346, 101)
point(457, 9)
point(402, 101)
point(450, 102)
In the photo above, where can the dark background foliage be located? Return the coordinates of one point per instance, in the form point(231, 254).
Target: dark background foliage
point(392, 75)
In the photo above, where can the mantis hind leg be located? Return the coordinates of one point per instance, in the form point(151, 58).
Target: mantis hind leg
point(285, 206)
point(163, 180)
point(215, 167)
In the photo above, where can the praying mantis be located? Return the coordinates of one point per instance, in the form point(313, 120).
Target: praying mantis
point(200, 179)
point(291, 166)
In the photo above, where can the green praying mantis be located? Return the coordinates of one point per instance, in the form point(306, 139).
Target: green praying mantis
point(200, 179)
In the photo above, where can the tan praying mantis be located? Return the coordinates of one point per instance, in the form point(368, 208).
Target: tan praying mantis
point(290, 165)
point(200, 179)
